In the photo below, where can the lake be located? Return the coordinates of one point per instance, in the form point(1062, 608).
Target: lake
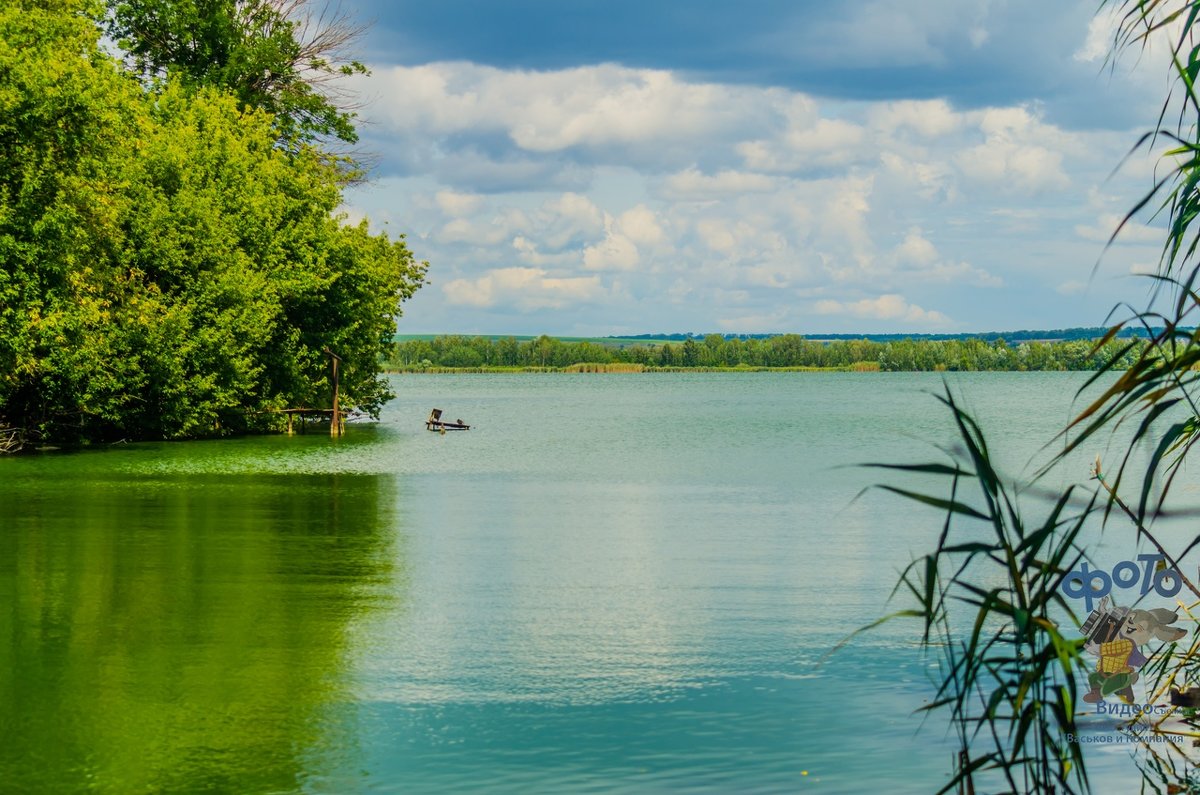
point(612, 583)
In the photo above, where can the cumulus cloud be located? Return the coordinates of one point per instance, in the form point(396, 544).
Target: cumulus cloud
point(916, 259)
point(641, 225)
point(1019, 153)
point(1102, 228)
point(524, 288)
point(692, 185)
point(604, 188)
point(818, 144)
point(492, 232)
point(755, 323)
point(616, 252)
point(845, 214)
point(456, 203)
point(885, 307)
point(931, 118)
point(564, 221)
point(930, 180)
point(592, 107)
point(1101, 33)
point(916, 250)
point(529, 253)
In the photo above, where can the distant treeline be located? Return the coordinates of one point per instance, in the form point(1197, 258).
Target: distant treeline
point(785, 350)
point(1025, 335)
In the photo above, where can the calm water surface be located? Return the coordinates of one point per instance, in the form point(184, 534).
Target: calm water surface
point(612, 584)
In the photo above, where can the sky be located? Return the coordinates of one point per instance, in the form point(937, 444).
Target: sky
point(573, 167)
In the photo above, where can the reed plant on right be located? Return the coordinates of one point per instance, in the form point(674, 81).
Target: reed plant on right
point(989, 593)
point(989, 600)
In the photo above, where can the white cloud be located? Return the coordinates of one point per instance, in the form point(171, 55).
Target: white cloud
point(1101, 33)
point(928, 180)
point(529, 253)
point(917, 259)
point(458, 204)
point(737, 199)
point(566, 220)
point(755, 323)
point(931, 118)
point(640, 224)
point(561, 222)
point(885, 307)
point(1102, 228)
point(616, 252)
point(915, 250)
point(542, 112)
point(1019, 154)
point(525, 288)
point(846, 216)
point(690, 184)
point(491, 232)
point(718, 235)
point(819, 144)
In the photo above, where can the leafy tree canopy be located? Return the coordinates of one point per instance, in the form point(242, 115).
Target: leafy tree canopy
point(166, 269)
point(274, 55)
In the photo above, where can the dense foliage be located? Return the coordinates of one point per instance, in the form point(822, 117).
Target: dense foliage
point(269, 54)
point(167, 269)
point(785, 350)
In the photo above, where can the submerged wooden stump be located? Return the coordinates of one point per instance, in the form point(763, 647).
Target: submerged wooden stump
point(12, 440)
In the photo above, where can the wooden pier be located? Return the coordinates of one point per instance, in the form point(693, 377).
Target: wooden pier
point(316, 415)
point(335, 415)
point(436, 423)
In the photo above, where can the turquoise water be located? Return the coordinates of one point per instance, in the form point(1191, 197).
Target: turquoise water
point(613, 583)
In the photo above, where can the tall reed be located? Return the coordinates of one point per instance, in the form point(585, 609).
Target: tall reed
point(988, 600)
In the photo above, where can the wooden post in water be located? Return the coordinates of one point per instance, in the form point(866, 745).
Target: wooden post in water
point(335, 424)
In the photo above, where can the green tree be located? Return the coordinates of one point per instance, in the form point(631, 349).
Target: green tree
point(689, 353)
point(541, 351)
point(462, 356)
point(507, 351)
point(168, 271)
point(273, 55)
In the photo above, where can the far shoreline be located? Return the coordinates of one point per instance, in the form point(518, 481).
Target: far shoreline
point(868, 367)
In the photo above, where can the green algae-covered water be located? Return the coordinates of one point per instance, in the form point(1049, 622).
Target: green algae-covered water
point(613, 583)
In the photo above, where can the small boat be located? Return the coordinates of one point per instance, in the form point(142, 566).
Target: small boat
point(435, 423)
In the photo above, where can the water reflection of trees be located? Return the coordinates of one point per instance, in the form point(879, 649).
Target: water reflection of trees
point(183, 635)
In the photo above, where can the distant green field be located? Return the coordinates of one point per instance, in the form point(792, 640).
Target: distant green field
point(615, 342)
